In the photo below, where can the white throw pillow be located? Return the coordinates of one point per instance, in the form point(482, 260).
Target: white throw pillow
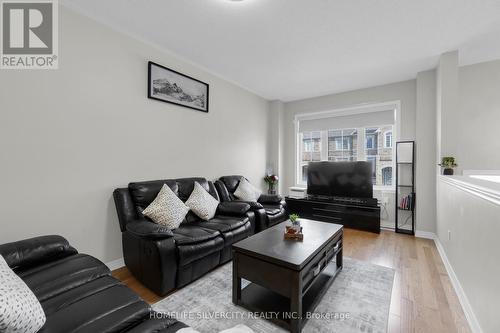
point(246, 191)
point(20, 310)
point(167, 209)
point(202, 203)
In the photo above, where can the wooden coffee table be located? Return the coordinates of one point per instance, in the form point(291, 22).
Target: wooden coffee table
point(288, 277)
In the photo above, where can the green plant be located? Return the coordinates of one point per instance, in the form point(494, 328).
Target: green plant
point(448, 162)
point(293, 217)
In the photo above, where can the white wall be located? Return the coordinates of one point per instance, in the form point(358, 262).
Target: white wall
point(478, 143)
point(426, 160)
point(275, 148)
point(68, 137)
point(472, 250)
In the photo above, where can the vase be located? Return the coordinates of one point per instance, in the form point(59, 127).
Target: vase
point(271, 189)
point(448, 172)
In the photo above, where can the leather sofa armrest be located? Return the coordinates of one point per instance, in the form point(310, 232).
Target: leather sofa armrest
point(253, 204)
point(233, 208)
point(149, 230)
point(31, 251)
point(270, 199)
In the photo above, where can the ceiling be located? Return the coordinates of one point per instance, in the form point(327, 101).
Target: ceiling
point(295, 49)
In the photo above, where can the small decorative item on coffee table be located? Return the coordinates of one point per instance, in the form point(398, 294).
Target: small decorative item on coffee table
point(294, 231)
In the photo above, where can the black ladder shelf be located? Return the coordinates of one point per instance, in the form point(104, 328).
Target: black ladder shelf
point(405, 187)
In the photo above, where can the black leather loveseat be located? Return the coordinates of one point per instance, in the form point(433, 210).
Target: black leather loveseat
point(165, 259)
point(77, 292)
point(269, 209)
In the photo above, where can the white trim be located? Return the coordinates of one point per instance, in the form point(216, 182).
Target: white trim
point(425, 234)
point(473, 186)
point(462, 297)
point(115, 264)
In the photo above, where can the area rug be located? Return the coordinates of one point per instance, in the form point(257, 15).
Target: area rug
point(357, 301)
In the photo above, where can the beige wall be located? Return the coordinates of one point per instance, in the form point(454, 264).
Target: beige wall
point(68, 137)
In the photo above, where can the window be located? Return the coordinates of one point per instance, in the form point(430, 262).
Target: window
point(310, 150)
point(342, 145)
point(370, 141)
point(388, 140)
point(387, 176)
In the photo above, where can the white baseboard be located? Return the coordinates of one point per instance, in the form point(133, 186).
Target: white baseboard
point(462, 297)
point(425, 234)
point(115, 264)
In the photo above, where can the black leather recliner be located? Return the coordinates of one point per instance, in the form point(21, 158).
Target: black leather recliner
point(164, 259)
point(77, 292)
point(269, 209)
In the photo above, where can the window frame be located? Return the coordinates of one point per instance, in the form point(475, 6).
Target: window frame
point(385, 139)
point(352, 110)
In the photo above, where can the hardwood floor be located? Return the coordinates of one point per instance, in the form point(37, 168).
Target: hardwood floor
point(423, 299)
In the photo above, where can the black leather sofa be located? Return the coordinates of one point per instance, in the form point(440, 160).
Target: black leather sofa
point(77, 292)
point(164, 259)
point(269, 209)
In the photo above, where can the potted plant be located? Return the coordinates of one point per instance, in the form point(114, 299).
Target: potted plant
point(294, 218)
point(271, 181)
point(448, 163)
point(295, 228)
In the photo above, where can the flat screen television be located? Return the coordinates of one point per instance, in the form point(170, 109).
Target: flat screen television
point(340, 179)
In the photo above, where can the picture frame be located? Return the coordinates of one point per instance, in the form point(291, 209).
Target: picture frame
point(169, 86)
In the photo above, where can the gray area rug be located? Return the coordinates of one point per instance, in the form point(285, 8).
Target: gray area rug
point(357, 301)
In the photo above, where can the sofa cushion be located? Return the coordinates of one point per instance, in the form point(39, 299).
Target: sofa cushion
point(186, 186)
point(56, 303)
point(231, 182)
point(202, 203)
point(20, 311)
point(191, 252)
point(110, 310)
point(191, 233)
point(58, 276)
point(167, 209)
point(272, 210)
point(143, 193)
point(225, 223)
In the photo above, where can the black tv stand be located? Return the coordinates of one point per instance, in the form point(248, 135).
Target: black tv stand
point(346, 200)
point(355, 213)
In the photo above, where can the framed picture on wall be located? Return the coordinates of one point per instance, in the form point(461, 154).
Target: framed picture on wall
point(169, 86)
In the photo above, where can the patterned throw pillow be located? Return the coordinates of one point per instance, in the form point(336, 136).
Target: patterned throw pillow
point(202, 203)
point(20, 310)
point(167, 209)
point(246, 191)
